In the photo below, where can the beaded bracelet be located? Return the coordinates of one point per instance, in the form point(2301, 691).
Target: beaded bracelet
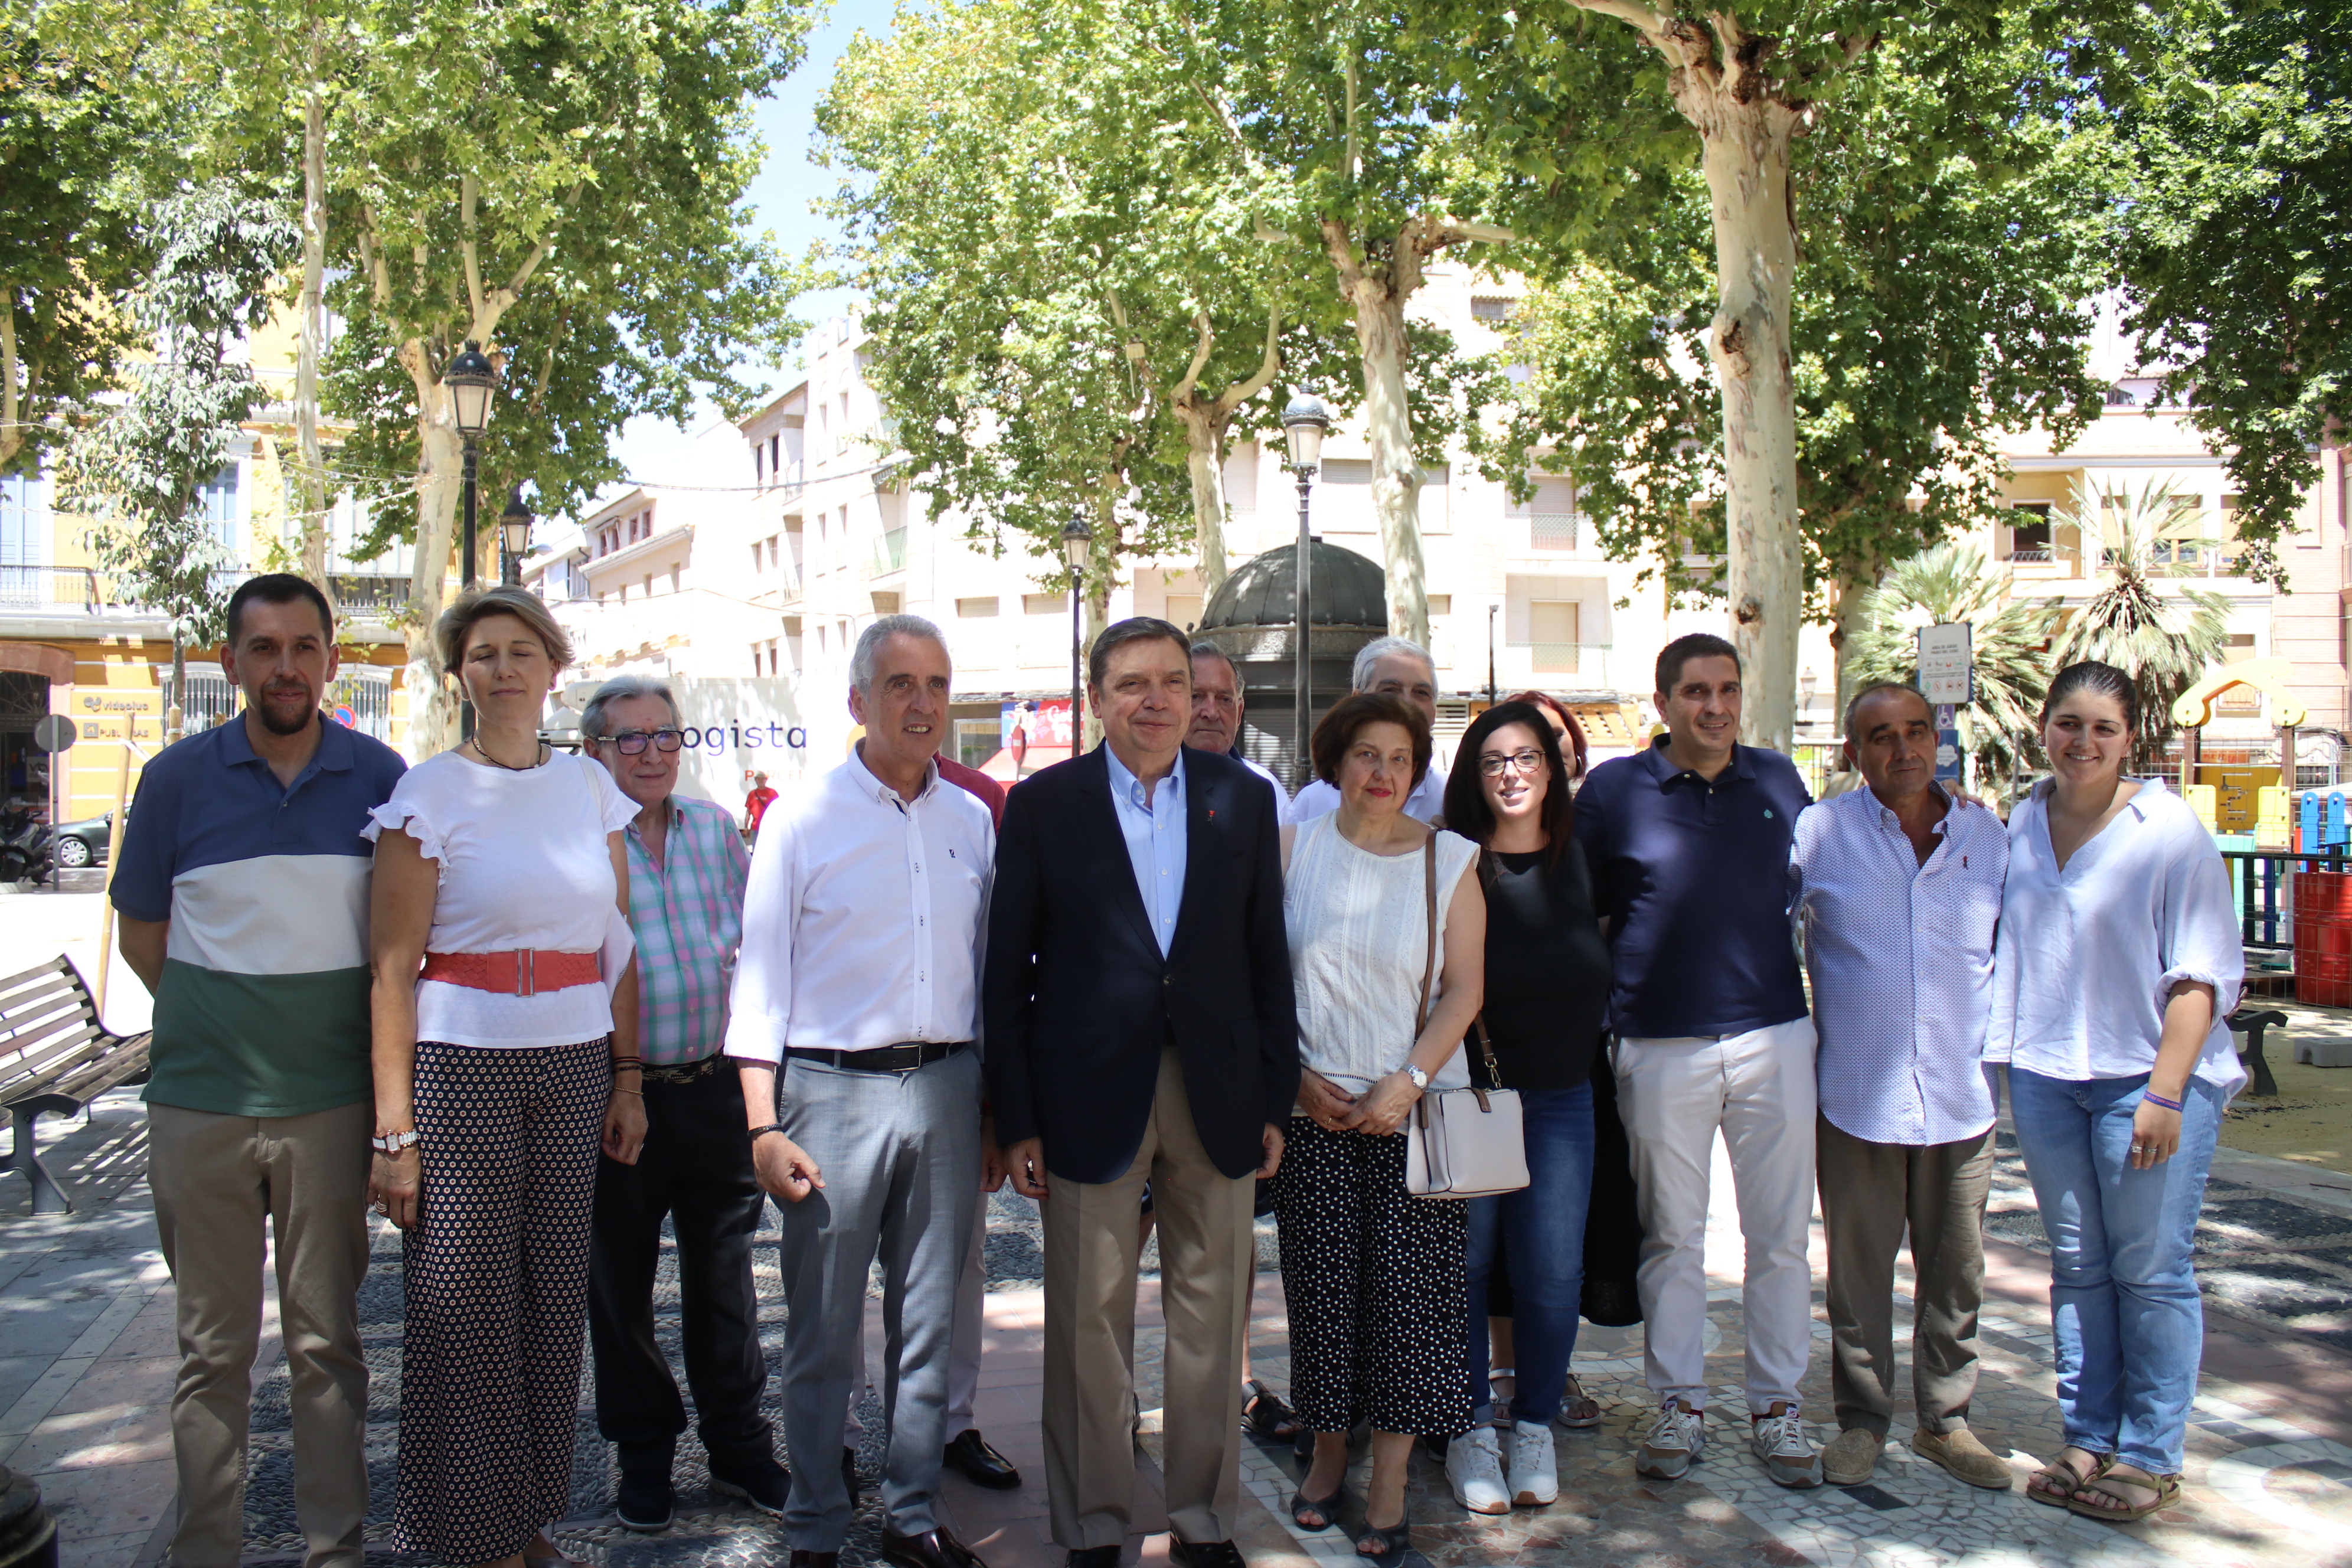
point(2153, 1098)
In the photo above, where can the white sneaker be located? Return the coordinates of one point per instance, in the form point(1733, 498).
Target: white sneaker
point(1534, 1472)
point(1779, 1439)
point(1474, 1467)
point(1676, 1441)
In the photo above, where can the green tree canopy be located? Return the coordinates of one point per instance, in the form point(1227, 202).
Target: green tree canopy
point(1939, 303)
point(2239, 239)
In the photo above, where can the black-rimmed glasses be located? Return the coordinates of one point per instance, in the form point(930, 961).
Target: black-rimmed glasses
point(1492, 764)
point(631, 743)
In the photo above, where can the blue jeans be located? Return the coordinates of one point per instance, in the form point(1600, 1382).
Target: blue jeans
point(2123, 1308)
point(1543, 1225)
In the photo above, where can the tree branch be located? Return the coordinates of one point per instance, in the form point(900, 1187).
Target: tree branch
point(469, 190)
point(1234, 396)
point(12, 434)
point(1205, 340)
point(1651, 25)
point(1342, 251)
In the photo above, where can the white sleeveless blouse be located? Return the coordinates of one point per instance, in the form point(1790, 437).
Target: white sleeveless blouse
point(1359, 944)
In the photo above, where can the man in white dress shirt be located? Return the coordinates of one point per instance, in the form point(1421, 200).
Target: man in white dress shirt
point(1900, 891)
point(859, 979)
point(1402, 668)
point(1217, 708)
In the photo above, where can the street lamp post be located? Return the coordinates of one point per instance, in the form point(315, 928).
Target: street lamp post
point(1303, 424)
point(470, 378)
point(514, 538)
point(1078, 539)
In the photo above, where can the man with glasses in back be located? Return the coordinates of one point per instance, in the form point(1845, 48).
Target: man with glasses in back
point(688, 869)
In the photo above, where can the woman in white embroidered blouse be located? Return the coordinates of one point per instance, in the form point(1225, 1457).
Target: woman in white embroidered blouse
point(505, 1056)
point(2115, 972)
point(1373, 1276)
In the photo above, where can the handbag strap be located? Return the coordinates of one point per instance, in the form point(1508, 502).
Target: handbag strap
point(1429, 904)
point(1486, 1051)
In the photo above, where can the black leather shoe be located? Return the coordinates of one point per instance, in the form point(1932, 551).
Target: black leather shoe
point(815, 1559)
point(642, 1501)
point(1093, 1557)
point(970, 1457)
point(932, 1549)
point(1204, 1553)
point(763, 1484)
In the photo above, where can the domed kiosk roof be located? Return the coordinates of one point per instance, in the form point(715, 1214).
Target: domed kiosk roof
point(1348, 591)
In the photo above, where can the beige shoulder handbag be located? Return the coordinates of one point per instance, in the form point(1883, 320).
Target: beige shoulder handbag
point(1460, 1142)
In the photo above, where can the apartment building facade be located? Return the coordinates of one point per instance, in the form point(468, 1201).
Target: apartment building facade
point(804, 528)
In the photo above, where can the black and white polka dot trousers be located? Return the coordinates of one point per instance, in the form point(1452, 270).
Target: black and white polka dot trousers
point(495, 1275)
point(1374, 1279)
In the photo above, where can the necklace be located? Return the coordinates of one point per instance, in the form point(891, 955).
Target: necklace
point(537, 761)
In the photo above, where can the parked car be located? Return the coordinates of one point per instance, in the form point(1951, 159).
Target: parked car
point(80, 844)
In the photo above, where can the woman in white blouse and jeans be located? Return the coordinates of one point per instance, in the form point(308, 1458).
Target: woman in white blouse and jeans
point(2115, 969)
point(500, 1070)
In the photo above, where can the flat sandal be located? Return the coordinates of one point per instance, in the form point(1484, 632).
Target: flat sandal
point(2167, 1489)
point(2074, 1480)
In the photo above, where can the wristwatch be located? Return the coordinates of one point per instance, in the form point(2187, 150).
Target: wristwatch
point(394, 1142)
point(1420, 1078)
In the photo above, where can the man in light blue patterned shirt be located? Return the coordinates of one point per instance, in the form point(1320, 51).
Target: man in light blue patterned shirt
point(1899, 892)
point(688, 869)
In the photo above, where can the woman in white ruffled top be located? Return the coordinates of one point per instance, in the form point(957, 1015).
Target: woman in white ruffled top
point(506, 1054)
point(1372, 1274)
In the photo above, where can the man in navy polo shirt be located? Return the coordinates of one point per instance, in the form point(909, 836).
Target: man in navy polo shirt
point(243, 889)
point(1689, 845)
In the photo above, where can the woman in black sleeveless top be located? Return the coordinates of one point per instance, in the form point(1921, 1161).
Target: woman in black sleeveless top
point(1547, 989)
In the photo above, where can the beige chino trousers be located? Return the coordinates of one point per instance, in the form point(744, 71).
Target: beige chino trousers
point(218, 1181)
point(1093, 1242)
point(1871, 1194)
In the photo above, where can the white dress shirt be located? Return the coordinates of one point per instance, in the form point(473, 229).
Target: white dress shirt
point(864, 920)
point(1425, 803)
point(2088, 956)
point(1901, 959)
point(1157, 833)
point(1281, 797)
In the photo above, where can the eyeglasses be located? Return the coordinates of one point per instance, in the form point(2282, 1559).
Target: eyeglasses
point(631, 743)
point(1493, 763)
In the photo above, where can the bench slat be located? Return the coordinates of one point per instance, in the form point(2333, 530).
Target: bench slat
point(103, 1073)
point(58, 965)
point(33, 999)
point(54, 1063)
point(27, 1044)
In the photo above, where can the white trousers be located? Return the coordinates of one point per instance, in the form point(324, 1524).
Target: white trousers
point(1759, 1088)
point(963, 1350)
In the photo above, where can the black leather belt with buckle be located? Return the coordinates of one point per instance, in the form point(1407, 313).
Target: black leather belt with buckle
point(680, 1072)
point(886, 1058)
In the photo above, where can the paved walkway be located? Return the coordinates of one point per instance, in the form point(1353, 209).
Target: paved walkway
point(87, 1360)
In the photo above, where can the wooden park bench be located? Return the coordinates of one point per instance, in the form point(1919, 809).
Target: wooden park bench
point(56, 1058)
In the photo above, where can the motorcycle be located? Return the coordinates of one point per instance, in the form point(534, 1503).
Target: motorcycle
point(27, 848)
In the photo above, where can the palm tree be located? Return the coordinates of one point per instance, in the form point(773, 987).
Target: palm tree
point(2008, 646)
point(2164, 643)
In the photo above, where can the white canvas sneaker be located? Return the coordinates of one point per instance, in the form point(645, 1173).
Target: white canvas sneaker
point(1474, 1467)
point(1534, 1472)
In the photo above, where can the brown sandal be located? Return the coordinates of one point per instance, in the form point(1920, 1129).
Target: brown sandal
point(2104, 1485)
point(2055, 1483)
point(1579, 1411)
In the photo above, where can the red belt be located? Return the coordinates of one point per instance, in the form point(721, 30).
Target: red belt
point(515, 973)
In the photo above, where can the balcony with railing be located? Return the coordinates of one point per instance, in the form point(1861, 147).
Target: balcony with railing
point(889, 554)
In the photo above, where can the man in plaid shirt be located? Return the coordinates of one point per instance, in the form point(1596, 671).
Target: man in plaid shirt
point(688, 869)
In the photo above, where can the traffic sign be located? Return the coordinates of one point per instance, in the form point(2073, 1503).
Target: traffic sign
point(55, 732)
point(1946, 669)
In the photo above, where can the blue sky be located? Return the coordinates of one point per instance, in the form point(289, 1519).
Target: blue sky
point(787, 185)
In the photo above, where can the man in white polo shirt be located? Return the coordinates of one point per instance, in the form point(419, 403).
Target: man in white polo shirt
point(1900, 889)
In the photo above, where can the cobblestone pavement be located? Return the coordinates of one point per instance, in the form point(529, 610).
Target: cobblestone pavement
point(86, 1363)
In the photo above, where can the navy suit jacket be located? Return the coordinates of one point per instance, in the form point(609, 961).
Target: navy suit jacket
point(1078, 1001)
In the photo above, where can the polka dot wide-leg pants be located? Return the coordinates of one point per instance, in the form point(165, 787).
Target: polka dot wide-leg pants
point(497, 1287)
point(1374, 1281)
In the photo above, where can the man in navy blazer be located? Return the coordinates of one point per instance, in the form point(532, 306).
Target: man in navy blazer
point(1141, 1028)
